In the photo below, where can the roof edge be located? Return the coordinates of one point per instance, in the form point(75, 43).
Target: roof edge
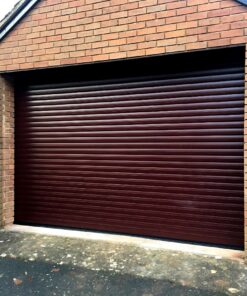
point(11, 19)
point(244, 2)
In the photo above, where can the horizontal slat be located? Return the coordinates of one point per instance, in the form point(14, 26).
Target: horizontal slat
point(139, 202)
point(131, 145)
point(123, 187)
point(73, 141)
point(137, 181)
point(134, 115)
point(134, 194)
point(82, 111)
point(169, 94)
point(236, 74)
point(42, 131)
point(152, 92)
point(162, 120)
point(231, 238)
point(81, 175)
point(65, 104)
point(88, 215)
point(73, 153)
point(156, 208)
point(146, 163)
point(78, 170)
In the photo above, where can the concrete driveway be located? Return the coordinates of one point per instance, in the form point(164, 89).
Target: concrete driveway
point(38, 264)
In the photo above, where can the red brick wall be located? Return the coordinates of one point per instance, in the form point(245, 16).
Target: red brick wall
point(62, 32)
point(59, 32)
point(6, 153)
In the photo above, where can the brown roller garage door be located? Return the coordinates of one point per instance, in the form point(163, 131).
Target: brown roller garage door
point(158, 156)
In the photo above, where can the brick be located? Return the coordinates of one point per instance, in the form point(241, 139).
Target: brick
point(187, 39)
point(135, 39)
point(110, 36)
point(239, 24)
point(69, 36)
point(209, 36)
point(186, 10)
point(166, 42)
point(196, 45)
point(145, 3)
point(173, 34)
point(232, 33)
point(145, 17)
point(219, 12)
point(68, 11)
point(209, 22)
point(136, 53)
point(219, 42)
point(175, 48)
point(167, 28)
point(196, 31)
point(156, 50)
point(210, 6)
point(196, 16)
point(186, 25)
point(146, 31)
point(118, 55)
point(218, 28)
point(157, 8)
point(176, 19)
point(176, 4)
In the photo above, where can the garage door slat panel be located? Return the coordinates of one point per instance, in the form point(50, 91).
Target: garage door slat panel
point(74, 140)
point(138, 133)
point(115, 194)
point(169, 164)
point(163, 212)
point(182, 219)
point(143, 106)
point(73, 130)
point(182, 175)
point(236, 74)
point(111, 103)
point(136, 115)
point(114, 109)
point(129, 220)
point(225, 239)
point(155, 156)
point(149, 94)
point(124, 187)
point(97, 196)
point(126, 145)
point(131, 229)
point(177, 77)
point(135, 181)
point(170, 120)
point(41, 153)
point(78, 172)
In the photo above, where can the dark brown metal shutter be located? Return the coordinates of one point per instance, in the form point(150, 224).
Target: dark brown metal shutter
point(161, 156)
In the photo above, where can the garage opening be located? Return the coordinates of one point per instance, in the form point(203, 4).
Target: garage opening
point(151, 146)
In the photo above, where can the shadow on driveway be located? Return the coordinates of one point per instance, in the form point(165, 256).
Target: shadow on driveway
point(20, 278)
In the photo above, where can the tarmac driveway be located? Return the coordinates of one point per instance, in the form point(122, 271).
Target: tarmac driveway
point(34, 264)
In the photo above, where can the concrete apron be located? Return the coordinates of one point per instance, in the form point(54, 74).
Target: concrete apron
point(146, 243)
point(87, 263)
